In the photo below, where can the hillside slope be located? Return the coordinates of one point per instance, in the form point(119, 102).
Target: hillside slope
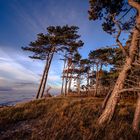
point(65, 119)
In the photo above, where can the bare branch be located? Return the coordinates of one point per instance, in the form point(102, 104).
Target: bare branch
point(132, 81)
point(129, 89)
point(136, 64)
point(138, 61)
point(117, 37)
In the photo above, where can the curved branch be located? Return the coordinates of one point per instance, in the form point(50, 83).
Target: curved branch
point(117, 37)
point(136, 64)
point(129, 89)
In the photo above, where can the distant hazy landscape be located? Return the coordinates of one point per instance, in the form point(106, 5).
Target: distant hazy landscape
point(13, 98)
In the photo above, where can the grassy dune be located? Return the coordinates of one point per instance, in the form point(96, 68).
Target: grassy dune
point(65, 119)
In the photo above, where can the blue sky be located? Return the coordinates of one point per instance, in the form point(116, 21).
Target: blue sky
point(21, 20)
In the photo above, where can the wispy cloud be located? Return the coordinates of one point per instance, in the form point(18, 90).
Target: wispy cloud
point(27, 18)
point(6, 89)
point(21, 73)
point(12, 70)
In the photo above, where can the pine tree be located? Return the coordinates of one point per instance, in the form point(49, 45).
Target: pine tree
point(57, 39)
point(112, 14)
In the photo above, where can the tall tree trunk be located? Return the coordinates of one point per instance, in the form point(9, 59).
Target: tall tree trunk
point(88, 82)
point(92, 80)
point(97, 80)
point(63, 77)
point(106, 99)
point(93, 73)
point(46, 74)
point(70, 80)
point(67, 76)
point(66, 81)
point(78, 84)
point(112, 101)
point(44, 83)
point(43, 77)
point(88, 78)
point(109, 110)
point(136, 120)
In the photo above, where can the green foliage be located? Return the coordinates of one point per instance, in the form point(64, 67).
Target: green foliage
point(63, 38)
point(105, 10)
point(76, 58)
point(112, 57)
point(101, 56)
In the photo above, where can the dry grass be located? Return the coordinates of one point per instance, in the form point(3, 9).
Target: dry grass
point(68, 118)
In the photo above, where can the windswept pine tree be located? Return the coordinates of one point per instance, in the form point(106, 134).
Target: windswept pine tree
point(112, 14)
point(71, 70)
point(85, 64)
point(76, 59)
point(99, 58)
point(57, 39)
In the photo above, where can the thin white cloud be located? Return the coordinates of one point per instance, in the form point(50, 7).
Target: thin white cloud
point(12, 70)
point(30, 20)
point(15, 73)
point(53, 78)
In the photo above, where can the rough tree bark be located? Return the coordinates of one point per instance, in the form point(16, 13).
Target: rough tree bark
point(136, 120)
point(109, 110)
point(106, 99)
point(46, 73)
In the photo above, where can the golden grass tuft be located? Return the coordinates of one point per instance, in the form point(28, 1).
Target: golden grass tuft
point(69, 118)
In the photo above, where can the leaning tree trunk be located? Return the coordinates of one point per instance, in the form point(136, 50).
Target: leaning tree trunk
point(136, 120)
point(106, 99)
point(66, 81)
point(63, 77)
point(66, 85)
point(70, 80)
point(97, 80)
point(46, 74)
point(88, 78)
point(43, 77)
point(88, 83)
point(78, 84)
point(109, 110)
